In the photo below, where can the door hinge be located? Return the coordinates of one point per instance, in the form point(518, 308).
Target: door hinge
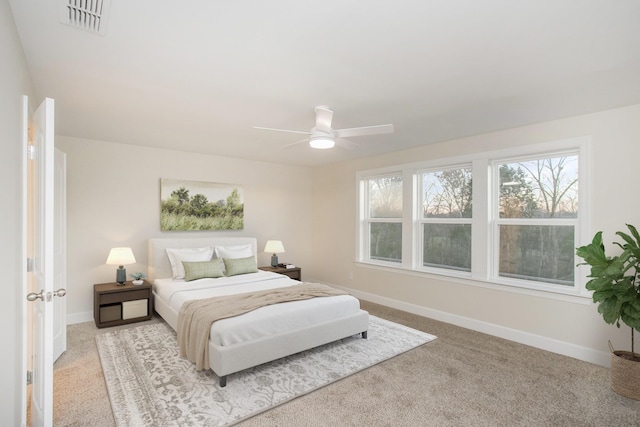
point(29, 265)
point(31, 152)
point(29, 377)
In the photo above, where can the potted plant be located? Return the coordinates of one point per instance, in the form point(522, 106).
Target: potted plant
point(615, 282)
point(137, 278)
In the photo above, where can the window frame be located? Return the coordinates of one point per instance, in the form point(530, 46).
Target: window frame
point(497, 222)
point(421, 221)
point(485, 241)
point(365, 219)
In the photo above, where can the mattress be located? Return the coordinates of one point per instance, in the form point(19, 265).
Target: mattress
point(258, 323)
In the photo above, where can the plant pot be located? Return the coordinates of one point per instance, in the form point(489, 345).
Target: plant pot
point(138, 282)
point(625, 375)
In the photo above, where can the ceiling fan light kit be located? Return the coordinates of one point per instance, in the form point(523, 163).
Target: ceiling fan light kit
point(321, 142)
point(322, 136)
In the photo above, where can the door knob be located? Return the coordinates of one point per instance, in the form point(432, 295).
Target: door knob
point(40, 295)
point(34, 296)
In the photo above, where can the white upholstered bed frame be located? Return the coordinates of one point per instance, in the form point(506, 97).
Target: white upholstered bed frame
point(225, 360)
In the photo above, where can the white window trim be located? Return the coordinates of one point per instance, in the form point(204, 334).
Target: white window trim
point(364, 219)
point(482, 230)
point(420, 221)
point(495, 220)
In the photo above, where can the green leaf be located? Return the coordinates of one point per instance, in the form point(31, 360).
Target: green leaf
point(630, 318)
point(630, 241)
point(593, 253)
point(634, 232)
point(634, 305)
point(614, 269)
point(597, 239)
point(632, 252)
point(599, 284)
point(603, 295)
point(610, 309)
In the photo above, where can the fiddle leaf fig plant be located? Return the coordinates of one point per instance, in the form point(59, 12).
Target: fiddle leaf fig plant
point(615, 280)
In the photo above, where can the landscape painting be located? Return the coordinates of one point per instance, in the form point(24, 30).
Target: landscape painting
point(194, 205)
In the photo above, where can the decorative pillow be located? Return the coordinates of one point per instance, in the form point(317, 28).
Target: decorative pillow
point(236, 266)
point(177, 256)
point(202, 269)
point(234, 252)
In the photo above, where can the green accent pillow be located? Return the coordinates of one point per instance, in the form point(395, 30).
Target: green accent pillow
point(202, 269)
point(240, 266)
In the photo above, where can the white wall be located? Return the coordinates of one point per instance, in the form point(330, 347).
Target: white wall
point(113, 199)
point(573, 328)
point(14, 83)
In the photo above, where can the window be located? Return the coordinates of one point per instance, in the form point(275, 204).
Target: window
point(383, 218)
point(508, 217)
point(536, 218)
point(445, 220)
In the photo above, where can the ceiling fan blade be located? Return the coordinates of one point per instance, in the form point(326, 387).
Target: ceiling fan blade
point(283, 130)
point(295, 143)
point(324, 116)
point(365, 130)
point(345, 144)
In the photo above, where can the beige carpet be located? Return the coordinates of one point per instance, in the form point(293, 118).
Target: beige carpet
point(150, 384)
point(464, 378)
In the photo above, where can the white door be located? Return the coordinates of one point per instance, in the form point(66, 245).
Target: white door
point(60, 254)
point(42, 272)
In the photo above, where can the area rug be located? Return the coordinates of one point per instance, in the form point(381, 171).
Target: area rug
point(150, 384)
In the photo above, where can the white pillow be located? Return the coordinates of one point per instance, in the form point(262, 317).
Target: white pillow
point(176, 256)
point(234, 252)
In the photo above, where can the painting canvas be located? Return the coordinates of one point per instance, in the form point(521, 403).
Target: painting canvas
point(194, 205)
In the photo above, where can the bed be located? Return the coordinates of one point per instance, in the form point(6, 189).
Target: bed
point(259, 336)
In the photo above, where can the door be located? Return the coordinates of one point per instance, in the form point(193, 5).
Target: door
point(60, 254)
point(41, 271)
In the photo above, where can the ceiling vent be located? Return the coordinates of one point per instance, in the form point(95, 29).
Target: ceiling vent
point(87, 15)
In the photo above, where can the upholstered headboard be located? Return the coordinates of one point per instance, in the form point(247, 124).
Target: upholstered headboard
point(159, 266)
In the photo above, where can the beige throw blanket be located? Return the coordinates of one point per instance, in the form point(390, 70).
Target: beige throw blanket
point(195, 317)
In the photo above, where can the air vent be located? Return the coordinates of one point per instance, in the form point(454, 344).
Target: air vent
point(87, 15)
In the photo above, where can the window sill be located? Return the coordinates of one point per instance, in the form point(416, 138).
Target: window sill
point(558, 295)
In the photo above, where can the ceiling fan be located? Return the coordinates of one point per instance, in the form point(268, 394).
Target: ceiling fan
point(322, 136)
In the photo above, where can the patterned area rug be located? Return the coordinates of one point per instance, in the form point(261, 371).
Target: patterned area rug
point(150, 384)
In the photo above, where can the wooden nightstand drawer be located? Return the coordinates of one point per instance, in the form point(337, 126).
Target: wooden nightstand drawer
point(124, 296)
point(111, 312)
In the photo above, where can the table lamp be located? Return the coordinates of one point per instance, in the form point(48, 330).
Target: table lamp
point(121, 257)
point(274, 247)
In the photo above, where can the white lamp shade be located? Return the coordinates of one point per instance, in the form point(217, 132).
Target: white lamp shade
point(274, 247)
point(121, 256)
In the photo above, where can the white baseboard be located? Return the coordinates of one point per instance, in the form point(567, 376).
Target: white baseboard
point(74, 318)
point(545, 343)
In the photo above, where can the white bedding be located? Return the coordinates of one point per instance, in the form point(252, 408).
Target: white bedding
point(263, 321)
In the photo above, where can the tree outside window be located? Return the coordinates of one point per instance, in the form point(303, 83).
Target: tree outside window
point(385, 218)
point(509, 217)
point(446, 219)
point(537, 213)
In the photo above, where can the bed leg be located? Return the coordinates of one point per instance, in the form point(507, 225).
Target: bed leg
point(223, 381)
point(364, 335)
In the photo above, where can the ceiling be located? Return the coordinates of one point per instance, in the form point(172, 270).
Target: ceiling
point(198, 75)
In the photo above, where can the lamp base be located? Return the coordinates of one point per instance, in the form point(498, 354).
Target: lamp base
point(274, 260)
point(121, 275)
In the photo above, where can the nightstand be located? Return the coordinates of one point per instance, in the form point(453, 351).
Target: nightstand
point(115, 304)
point(294, 273)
